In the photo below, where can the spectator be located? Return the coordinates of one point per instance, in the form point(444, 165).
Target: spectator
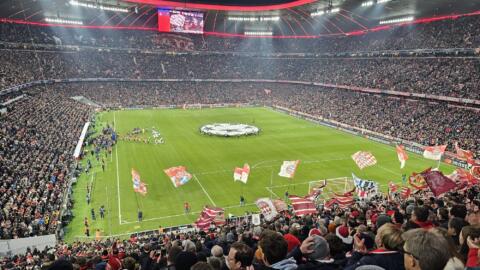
point(240, 256)
point(425, 250)
point(273, 249)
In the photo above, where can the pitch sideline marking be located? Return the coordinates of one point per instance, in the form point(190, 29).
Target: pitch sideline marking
point(118, 175)
point(179, 215)
point(204, 191)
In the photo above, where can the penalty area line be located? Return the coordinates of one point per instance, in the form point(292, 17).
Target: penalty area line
point(204, 191)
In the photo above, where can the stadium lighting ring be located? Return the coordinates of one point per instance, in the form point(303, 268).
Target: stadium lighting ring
point(229, 130)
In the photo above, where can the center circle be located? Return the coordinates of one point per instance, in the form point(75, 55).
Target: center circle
point(229, 130)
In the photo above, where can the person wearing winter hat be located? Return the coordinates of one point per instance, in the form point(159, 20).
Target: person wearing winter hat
point(387, 255)
point(315, 248)
point(292, 241)
point(185, 260)
point(343, 233)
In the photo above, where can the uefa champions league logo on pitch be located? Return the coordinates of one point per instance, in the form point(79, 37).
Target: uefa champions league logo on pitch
point(229, 130)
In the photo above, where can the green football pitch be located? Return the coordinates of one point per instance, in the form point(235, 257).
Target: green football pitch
point(325, 153)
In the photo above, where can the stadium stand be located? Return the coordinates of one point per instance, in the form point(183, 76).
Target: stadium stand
point(38, 134)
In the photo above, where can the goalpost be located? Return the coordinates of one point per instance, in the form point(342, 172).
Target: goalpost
point(333, 185)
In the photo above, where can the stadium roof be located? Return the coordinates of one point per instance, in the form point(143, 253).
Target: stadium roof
point(294, 16)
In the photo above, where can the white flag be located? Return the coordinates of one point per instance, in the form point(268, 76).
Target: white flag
point(434, 152)
point(241, 174)
point(267, 208)
point(288, 168)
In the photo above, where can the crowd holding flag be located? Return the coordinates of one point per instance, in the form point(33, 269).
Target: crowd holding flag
point(343, 201)
point(463, 154)
point(438, 182)
point(178, 175)
point(405, 192)
point(402, 155)
point(210, 215)
point(417, 181)
point(241, 174)
point(392, 188)
point(434, 152)
point(267, 208)
point(288, 168)
point(280, 205)
point(463, 178)
point(364, 159)
point(303, 205)
point(138, 185)
point(474, 166)
point(364, 187)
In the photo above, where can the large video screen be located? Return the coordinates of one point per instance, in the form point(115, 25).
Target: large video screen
point(180, 21)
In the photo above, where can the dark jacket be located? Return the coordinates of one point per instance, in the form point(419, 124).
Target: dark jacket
point(391, 260)
point(322, 265)
point(145, 261)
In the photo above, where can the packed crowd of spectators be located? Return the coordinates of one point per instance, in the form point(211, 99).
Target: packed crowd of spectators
point(39, 131)
point(462, 32)
point(455, 77)
point(419, 232)
point(424, 122)
point(37, 138)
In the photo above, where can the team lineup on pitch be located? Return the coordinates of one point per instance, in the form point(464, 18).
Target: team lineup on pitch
point(325, 153)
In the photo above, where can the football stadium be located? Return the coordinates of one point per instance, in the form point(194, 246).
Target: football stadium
point(241, 134)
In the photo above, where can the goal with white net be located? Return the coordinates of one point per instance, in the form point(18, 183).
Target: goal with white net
point(338, 185)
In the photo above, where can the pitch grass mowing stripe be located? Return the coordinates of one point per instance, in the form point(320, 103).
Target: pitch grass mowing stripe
point(325, 154)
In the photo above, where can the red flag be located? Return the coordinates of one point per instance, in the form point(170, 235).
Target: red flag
point(302, 206)
point(203, 223)
point(474, 167)
point(209, 215)
point(344, 200)
point(392, 187)
point(438, 182)
point(463, 154)
point(434, 152)
point(405, 192)
point(461, 176)
point(417, 180)
point(402, 155)
point(364, 159)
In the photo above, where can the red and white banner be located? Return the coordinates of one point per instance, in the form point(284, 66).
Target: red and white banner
point(463, 177)
point(434, 152)
point(463, 154)
point(267, 208)
point(392, 188)
point(210, 215)
point(405, 192)
point(302, 206)
point(241, 174)
point(364, 159)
